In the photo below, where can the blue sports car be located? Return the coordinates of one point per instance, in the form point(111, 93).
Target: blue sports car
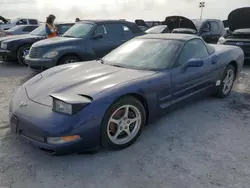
point(107, 102)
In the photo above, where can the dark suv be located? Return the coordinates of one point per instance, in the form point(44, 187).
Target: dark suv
point(86, 40)
point(239, 30)
point(209, 29)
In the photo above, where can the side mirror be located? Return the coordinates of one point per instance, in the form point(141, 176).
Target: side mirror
point(193, 63)
point(97, 36)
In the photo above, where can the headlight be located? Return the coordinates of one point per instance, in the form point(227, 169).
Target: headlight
point(62, 107)
point(221, 40)
point(63, 139)
point(51, 54)
point(4, 46)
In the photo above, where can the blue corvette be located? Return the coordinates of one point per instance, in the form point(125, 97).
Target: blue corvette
point(82, 106)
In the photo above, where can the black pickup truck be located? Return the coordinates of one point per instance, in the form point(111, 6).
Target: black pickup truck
point(239, 27)
point(209, 29)
point(16, 47)
point(86, 40)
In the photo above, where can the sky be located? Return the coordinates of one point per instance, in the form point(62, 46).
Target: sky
point(68, 10)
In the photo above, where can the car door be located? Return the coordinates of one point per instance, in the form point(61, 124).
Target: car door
point(110, 38)
point(215, 32)
point(190, 81)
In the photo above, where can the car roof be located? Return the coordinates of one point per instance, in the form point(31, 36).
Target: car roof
point(105, 21)
point(171, 36)
point(204, 20)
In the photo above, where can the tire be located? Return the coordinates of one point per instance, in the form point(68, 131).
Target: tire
point(124, 125)
point(68, 59)
point(21, 53)
point(221, 91)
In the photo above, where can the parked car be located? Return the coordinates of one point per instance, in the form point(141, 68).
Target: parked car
point(18, 30)
point(239, 26)
point(19, 21)
point(107, 102)
point(158, 29)
point(17, 47)
point(209, 29)
point(86, 40)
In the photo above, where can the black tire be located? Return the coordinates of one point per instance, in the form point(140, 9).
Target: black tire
point(20, 53)
point(219, 92)
point(67, 59)
point(129, 100)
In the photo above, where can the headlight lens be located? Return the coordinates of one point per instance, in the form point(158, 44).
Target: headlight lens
point(221, 40)
point(62, 107)
point(51, 54)
point(63, 139)
point(3, 45)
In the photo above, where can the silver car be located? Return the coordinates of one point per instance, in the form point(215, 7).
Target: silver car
point(18, 30)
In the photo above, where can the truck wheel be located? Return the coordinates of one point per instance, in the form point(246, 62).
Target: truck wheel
point(69, 59)
point(21, 53)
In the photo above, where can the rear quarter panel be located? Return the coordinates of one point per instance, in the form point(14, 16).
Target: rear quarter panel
point(227, 54)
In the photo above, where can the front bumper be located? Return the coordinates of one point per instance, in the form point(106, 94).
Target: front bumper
point(6, 55)
point(40, 63)
point(34, 123)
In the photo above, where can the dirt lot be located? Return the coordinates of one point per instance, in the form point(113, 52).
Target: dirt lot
point(206, 144)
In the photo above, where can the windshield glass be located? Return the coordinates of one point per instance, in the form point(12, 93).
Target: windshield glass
point(147, 54)
point(14, 21)
point(79, 30)
point(197, 23)
point(40, 31)
point(156, 29)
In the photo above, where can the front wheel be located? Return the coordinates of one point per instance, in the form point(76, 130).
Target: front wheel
point(21, 53)
point(68, 59)
point(123, 123)
point(227, 82)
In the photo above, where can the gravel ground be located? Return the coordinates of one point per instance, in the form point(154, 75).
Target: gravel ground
point(205, 144)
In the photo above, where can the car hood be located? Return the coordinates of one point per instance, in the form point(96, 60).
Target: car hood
point(174, 22)
point(184, 31)
point(3, 19)
point(84, 78)
point(19, 37)
point(239, 19)
point(56, 41)
point(242, 32)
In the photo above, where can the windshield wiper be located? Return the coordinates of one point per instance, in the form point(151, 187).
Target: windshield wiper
point(68, 36)
point(101, 60)
point(115, 65)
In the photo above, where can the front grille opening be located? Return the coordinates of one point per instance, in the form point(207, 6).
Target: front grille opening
point(34, 53)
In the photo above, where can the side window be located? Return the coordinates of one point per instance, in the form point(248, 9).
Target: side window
point(126, 30)
point(101, 30)
point(113, 29)
point(214, 27)
point(29, 28)
point(22, 22)
point(109, 30)
point(193, 49)
point(33, 22)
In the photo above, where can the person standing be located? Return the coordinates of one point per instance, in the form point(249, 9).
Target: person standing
point(77, 20)
point(51, 30)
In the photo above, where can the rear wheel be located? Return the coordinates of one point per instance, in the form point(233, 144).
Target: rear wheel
point(21, 53)
point(68, 59)
point(123, 123)
point(227, 82)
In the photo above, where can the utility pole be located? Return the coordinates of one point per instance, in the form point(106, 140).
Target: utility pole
point(202, 5)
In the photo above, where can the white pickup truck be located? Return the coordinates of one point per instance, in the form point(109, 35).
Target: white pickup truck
point(5, 24)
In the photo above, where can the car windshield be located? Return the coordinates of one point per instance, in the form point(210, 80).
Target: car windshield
point(40, 31)
point(14, 21)
point(156, 29)
point(145, 54)
point(79, 30)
